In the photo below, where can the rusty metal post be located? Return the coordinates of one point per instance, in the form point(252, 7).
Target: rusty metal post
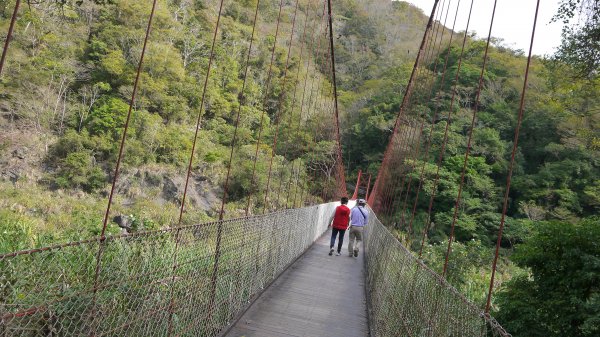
point(11, 27)
point(355, 194)
point(407, 94)
point(339, 164)
point(368, 186)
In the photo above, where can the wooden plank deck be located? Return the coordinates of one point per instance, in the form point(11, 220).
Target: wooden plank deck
point(319, 295)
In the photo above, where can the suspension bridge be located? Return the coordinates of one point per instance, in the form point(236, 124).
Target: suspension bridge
point(267, 273)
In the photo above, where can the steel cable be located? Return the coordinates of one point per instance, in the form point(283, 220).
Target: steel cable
point(9, 34)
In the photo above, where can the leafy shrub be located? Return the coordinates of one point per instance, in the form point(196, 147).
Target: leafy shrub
point(560, 295)
point(78, 170)
point(107, 118)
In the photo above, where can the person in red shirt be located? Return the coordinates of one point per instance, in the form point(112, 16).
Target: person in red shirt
point(339, 223)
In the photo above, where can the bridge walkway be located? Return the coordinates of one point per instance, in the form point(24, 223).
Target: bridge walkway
point(319, 295)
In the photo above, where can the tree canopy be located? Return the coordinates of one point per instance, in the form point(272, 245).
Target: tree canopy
point(559, 294)
point(581, 36)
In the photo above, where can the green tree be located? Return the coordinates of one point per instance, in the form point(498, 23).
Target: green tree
point(78, 170)
point(561, 295)
point(108, 118)
point(581, 40)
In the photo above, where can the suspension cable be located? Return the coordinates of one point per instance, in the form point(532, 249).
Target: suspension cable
point(283, 167)
point(262, 115)
point(390, 195)
point(315, 136)
point(468, 150)
point(407, 93)
point(237, 120)
point(338, 170)
point(340, 165)
point(190, 164)
point(416, 152)
point(447, 126)
point(126, 126)
point(512, 162)
point(433, 119)
point(200, 114)
point(425, 83)
point(295, 97)
point(280, 108)
point(121, 148)
point(315, 51)
point(318, 101)
point(302, 110)
point(306, 148)
point(402, 146)
point(11, 27)
point(325, 110)
point(434, 116)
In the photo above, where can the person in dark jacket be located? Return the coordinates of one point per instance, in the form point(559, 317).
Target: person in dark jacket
point(339, 223)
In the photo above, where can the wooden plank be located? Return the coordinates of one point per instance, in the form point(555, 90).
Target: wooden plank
point(319, 295)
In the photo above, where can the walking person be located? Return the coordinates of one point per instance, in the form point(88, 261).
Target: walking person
point(359, 217)
point(339, 223)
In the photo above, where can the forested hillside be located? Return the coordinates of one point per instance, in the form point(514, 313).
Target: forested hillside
point(66, 87)
point(65, 94)
point(68, 81)
point(554, 199)
point(376, 47)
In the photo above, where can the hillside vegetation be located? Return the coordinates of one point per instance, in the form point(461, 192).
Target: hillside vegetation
point(64, 99)
point(68, 81)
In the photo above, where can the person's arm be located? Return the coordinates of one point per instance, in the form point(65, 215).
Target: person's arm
point(349, 220)
point(330, 223)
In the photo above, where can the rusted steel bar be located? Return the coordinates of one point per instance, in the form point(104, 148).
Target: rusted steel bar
point(512, 162)
point(407, 94)
point(468, 151)
point(11, 27)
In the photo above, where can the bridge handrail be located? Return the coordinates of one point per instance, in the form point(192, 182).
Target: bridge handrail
point(188, 280)
point(408, 297)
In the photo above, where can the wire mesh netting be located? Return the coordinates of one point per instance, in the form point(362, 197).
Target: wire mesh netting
point(185, 281)
point(409, 299)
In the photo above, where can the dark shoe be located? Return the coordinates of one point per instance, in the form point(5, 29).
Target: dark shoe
point(356, 253)
point(331, 252)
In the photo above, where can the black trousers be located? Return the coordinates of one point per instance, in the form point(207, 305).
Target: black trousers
point(334, 233)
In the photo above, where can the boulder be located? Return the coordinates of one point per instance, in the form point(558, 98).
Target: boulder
point(124, 221)
point(20, 152)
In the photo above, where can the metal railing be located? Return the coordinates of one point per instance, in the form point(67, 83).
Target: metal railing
point(195, 280)
point(186, 281)
point(407, 298)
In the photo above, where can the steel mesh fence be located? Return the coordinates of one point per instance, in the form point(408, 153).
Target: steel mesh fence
point(409, 299)
point(186, 281)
